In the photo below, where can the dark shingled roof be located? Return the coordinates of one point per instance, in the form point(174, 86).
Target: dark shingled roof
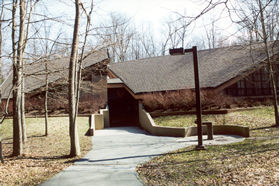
point(216, 66)
point(58, 69)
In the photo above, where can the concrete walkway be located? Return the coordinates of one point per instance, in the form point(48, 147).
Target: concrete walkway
point(116, 153)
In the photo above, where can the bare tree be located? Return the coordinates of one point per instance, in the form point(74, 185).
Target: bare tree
point(19, 41)
point(256, 21)
point(30, 6)
point(257, 17)
point(46, 98)
point(269, 62)
point(1, 41)
point(211, 35)
point(118, 35)
point(1, 35)
point(136, 49)
point(82, 55)
point(1, 153)
point(75, 68)
point(48, 52)
point(75, 147)
point(148, 44)
point(164, 42)
point(142, 45)
point(17, 76)
point(177, 33)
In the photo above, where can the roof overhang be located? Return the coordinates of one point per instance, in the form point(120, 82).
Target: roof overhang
point(118, 83)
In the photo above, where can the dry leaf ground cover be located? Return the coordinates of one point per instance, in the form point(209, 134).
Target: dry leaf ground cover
point(253, 161)
point(44, 156)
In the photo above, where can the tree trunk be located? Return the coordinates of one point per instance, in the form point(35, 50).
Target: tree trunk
point(79, 67)
point(75, 147)
point(17, 127)
point(1, 41)
point(271, 73)
point(1, 154)
point(23, 39)
point(22, 108)
point(17, 133)
point(46, 99)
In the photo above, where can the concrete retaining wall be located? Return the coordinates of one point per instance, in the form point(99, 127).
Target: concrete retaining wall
point(173, 113)
point(105, 113)
point(149, 125)
point(231, 130)
point(98, 120)
point(221, 130)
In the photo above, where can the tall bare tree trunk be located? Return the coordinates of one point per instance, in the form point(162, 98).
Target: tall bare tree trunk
point(1, 41)
point(1, 38)
point(1, 154)
point(20, 59)
point(271, 73)
point(46, 99)
point(75, 147)
point(22, 108)
point(79, 64)
point(22, 51)
point(17, 73)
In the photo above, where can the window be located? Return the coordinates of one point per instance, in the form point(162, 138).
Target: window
point(265, 75)
point(241, 84)
point(256, 84)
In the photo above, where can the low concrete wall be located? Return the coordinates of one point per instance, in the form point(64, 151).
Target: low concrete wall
point(221, 130)
point(204, 112)
point(193, 131)
point(148, 124)
point(98, 120)
point(231, 130)
point(173, 113)
point(105, 113)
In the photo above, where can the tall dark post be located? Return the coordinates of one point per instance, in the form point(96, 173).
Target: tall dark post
point(198, 97)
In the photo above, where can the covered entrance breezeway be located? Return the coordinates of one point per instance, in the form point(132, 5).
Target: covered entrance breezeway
point(123, 108)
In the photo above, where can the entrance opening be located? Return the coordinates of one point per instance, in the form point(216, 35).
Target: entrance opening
point(123, 108)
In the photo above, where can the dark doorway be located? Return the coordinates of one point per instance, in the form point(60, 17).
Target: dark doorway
point(123, 108)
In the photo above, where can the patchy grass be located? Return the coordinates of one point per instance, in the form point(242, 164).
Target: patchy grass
point(44, 156)
point(253, 161)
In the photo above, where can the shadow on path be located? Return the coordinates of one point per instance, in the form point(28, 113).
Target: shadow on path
point(127, 157)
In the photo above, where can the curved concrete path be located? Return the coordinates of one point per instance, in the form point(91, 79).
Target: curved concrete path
point(117, 152)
